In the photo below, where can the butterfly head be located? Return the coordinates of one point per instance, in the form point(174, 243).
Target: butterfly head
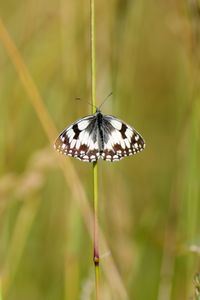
point(98, 110)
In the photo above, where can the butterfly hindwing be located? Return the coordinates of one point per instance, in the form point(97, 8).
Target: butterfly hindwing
point(80, 140)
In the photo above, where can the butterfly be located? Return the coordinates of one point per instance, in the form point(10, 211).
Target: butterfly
point(99, 136)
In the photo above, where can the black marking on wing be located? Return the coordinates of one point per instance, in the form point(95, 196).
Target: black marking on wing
point(76, 130)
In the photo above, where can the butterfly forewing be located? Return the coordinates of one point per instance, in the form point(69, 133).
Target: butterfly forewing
point(99, 136)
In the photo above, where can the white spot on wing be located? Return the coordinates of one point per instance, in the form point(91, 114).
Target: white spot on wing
point(78, 144)
point(83, 124)
point(70, 135)
point(70, 132)
point(129, 133)
point(108, 158)
point(85, 157)
point(122, 143)
point(127, 143)
point(117, 124)
point(84, 137)
point(73, 143)
point(137, 137)
point(116, 136)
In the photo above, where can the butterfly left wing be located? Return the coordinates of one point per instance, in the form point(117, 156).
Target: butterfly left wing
point(80, 140)
point(120, 139)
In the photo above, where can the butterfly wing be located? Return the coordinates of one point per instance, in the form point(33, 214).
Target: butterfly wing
point(80, 140)
point(120, 139)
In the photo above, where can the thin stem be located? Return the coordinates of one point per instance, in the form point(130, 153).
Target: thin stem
point(93, 59)
point(95, 168)
point(96, 233)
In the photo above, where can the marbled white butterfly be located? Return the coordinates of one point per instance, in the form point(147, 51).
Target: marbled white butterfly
point(99, 136)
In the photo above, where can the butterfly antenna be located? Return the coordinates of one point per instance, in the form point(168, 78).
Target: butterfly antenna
point(110, 94)
point(78, 98)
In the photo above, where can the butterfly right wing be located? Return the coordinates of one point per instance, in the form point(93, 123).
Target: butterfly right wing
point(120, 139)
point(80, 140)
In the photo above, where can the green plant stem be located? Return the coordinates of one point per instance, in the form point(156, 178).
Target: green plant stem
point(95, 168)
point(93, 58)
point(96, 234)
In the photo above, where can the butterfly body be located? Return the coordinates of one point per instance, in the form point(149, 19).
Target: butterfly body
point(99, 136)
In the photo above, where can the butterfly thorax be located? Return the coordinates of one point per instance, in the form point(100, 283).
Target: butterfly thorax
point(100, 131)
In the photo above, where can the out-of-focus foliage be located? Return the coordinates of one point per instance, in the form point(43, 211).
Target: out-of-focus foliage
point(148, 55)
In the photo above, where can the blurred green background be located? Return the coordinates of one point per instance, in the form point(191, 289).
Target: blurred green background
point(148, 56)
